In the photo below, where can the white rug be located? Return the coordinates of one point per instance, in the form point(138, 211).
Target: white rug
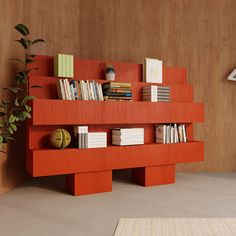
point(176, 227)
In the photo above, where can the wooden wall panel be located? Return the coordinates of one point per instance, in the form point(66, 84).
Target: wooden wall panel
point(199, 35)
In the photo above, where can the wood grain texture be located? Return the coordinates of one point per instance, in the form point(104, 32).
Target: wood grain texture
point(199, 35)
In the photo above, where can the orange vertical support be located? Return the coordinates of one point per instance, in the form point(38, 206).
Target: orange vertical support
point(154, 175)
point(88, 183)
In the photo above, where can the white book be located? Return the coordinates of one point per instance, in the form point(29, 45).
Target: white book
point(172, 134)
point(62, 89)
point(100, 91)
point(67, 86)
point(126, 143)
point(66, 91)
point(180, 132)
point(176, 133)
point(184, 133)
point(152, 70)
point(72, 92)
point(129, 130)
point(96, 145)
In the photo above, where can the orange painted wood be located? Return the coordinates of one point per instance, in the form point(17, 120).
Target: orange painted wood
point(179, 92)
point(39, 136)
point(59, 112)
point(94, 69)
point(89, 183)
point(154, 175)
point(68, 161)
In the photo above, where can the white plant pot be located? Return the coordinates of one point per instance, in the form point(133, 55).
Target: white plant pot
point(110, 76)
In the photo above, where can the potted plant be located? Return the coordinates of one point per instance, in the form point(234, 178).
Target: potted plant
point(15, 109)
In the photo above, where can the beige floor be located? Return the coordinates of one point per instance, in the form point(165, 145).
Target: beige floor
point(41, 207)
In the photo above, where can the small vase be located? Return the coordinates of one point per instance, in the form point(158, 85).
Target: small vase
point(110, 72)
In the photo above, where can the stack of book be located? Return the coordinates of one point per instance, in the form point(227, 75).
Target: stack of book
point(85, 139)
point(79, 90)
point(117, 91)
point(155, 93)
point(127, 136)
point(97, 139)
point(171, 133)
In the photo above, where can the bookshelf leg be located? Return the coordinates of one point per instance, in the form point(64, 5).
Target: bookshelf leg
point(89, 183)
point(154, 175)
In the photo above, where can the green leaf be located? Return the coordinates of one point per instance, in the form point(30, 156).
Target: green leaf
point(31, 97)
point(21, 117)
point(1, 124)
point(37, 41)
point(13, 126)
point(28, 108)
point(16, 103)
point(13, 89)
point(23, 43)
point(12, 118)
point(22, 29)
point(17, 60)
point(1, 139)
point(11, 131)
point(36, 86)
point(27, 114)
point(9, 139)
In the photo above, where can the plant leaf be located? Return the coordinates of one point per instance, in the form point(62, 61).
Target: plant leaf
point(1, 139)
point(22, 29)
point(12, 118)
point(13, 89)
point(28, 108)
point(23, 43)
point(16, 103)
point(10, 130)
point(27, 114)
point(31, 97)
point(10, 138)
point(37, 41)
point(17, 60)
point(13, 126)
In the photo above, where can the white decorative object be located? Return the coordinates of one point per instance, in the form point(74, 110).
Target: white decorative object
point(110, 72)
point(232, 75)
point(152, 71)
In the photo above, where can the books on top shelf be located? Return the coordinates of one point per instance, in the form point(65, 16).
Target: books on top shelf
point(85, 139)
point(155, 93)
point(127, 136)
point(79, 90)
point(170, 133)
point(152, 71)
point(64, 66)
point(117, 91)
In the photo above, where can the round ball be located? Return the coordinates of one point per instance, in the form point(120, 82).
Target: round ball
point(60, 138)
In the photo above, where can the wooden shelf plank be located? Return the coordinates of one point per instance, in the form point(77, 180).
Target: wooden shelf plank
point(67, 161)
point(61, 112)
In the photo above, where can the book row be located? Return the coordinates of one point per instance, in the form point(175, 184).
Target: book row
point(170, 133)
point(79, 90)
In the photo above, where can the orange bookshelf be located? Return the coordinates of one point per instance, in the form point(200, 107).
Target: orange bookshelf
point(90, 170)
